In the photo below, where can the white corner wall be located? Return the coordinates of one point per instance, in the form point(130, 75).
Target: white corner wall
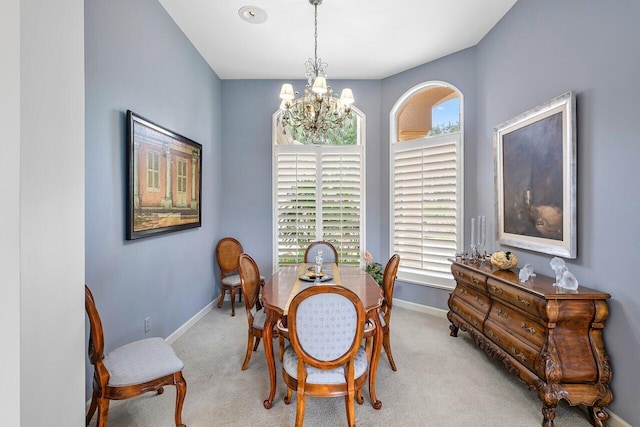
point(10, 211)
point(51, 213)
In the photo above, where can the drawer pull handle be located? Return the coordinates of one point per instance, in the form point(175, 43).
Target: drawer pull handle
point(530, 329)
point(523, 301)
point(502, 313)
point(459, 274)
point(520, 355)
point(480, 301)
point(473, 321)
point(475, 280)
point(493, 337)
point(462, 291)
point(496, 289)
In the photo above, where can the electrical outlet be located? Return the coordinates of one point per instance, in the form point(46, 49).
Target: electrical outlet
point(147, 324)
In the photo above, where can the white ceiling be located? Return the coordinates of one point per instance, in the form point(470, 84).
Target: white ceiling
point(359, 39)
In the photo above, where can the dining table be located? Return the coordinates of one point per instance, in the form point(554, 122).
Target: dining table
point(288, 281)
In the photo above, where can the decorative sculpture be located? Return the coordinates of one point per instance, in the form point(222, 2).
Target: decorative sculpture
point(564, 278)
point(526, 272)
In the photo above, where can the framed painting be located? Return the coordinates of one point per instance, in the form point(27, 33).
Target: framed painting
point(164, 180)
point(535, 178)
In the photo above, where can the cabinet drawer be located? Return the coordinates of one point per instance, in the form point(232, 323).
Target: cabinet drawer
point(521, 299)
point(467, 312)
point(478, 300)
point(511, 344)
point(518, 324)
point(470, 278)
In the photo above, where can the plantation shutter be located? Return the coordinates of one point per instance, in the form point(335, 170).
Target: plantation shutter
point(319, 196)
point(295, 204)
point(424, 207)
point(342, 201)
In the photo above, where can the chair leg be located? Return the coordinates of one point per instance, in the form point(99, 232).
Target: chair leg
point(281, 339)
point(351, 410)
point(287, 398)
point(93, 406)
point(247, 357)
point(255, 346)
point(181, 392)
point(103, 411)
point(300, 408)
point(223, 291)
point(359, 397)
point(232, 291)
point(386, 342)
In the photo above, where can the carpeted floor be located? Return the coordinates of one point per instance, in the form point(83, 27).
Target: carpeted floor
point(441, 381)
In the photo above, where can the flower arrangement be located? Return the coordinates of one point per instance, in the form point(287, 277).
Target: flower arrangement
point(374, 269)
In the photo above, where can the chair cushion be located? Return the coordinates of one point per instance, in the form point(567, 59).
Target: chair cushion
point(382, 322)
point(141, 361)
point(259, 318)
point(233, 280)
point(319, 376)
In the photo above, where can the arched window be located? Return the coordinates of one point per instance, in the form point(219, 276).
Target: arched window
point(426, 164)
point(318, 193)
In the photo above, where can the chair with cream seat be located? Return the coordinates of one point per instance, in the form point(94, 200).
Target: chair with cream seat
point(251, 283)
point(388, 283)
point(329, 252)
point(325, 325)
point(130, 370)
point(228, 253)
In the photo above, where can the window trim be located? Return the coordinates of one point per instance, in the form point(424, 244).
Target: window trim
point(409, 275)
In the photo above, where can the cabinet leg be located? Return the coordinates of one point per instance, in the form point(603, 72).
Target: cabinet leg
point(598, 416)
point(549, 414)
point(454, 330)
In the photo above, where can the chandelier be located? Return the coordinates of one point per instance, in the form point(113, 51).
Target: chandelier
point(317, 113)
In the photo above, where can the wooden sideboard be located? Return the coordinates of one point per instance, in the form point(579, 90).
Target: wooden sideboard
point(550, 338)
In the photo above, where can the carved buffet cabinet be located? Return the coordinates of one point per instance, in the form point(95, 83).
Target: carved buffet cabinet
point(550, 338)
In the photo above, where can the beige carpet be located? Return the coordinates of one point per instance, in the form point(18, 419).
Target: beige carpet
point(441, 381)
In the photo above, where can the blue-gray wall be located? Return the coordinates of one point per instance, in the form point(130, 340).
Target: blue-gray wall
point(247, 151)
point(136, 58)
point(539, 50)
point(542, 49)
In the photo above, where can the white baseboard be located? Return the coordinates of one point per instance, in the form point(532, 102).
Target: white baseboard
point(613, 421)
point(616, 421)
point(189, 323)
point(419, 307)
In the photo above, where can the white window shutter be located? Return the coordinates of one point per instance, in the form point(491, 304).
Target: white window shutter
point(425, 207)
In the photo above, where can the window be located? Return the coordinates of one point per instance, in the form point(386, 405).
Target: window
point(426, 183)
point(153, 171)
point(318, 195)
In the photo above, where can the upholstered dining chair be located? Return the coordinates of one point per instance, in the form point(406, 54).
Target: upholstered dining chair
point(329, 252)
point(130, 370)
point(325, 324)
point(228, 252)
point(251, 283)
point(388, 283)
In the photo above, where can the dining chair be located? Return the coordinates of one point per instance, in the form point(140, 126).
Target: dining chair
point(251, 284)
point(388, 283)
point(325, 325)
point(228, 251)
point(329, 252)
point(130, 370)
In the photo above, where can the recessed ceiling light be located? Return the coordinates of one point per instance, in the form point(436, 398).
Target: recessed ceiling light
point(252, 14)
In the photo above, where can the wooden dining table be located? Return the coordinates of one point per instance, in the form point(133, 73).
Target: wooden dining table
point(287, 283)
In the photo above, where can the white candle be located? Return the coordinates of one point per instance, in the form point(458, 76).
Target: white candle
point(473, 232)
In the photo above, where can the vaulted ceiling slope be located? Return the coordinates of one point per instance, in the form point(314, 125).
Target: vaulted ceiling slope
point(359, 39)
